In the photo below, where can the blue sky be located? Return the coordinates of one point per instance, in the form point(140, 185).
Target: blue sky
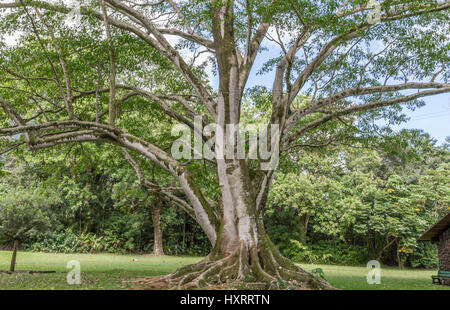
point(433, 118)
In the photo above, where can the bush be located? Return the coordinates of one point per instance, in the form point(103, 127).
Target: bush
point(299, 252)
point(324, 252)
point(425, 256)
point(68, 242)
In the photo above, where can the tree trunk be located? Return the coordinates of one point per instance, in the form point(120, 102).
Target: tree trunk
point(157, 231)
point(387, 245)
point(399, 260)
point(14, 255)
point(243, 256)
point(303, 227)
point(183, 242)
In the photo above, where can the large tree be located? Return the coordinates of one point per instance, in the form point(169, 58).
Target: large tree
point(342, 58)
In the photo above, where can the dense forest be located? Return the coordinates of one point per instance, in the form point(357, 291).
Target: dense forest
point(332, 204)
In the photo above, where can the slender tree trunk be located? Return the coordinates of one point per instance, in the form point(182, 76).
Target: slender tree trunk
point(388, 244)
point(14, 255)
point(184, 232)
point(157, 231)
point(399, 260)
point(303, 227)
point(399, 257)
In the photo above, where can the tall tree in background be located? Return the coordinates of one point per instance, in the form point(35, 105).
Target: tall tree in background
point(344, 57)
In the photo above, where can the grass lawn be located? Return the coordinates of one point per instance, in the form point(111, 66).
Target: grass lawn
point(98, 271)
point(106, 271)
point(354, 278)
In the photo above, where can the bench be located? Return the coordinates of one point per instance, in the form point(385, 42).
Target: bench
point(443, 277)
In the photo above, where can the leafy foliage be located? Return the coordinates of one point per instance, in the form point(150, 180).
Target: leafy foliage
point(23, 214)
point(348, 206)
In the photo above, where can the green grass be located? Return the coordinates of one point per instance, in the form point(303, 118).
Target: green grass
point(107, 271)
point(98, 271)
point(354, 278)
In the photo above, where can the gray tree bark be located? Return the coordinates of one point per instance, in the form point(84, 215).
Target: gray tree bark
point(157, 231)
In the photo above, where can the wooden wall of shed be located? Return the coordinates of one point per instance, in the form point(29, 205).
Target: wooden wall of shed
point(443, 246)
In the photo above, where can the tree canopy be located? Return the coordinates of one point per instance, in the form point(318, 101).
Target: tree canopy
point(128, 65)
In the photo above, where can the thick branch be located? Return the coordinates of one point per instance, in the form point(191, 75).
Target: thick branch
point(156, 188)
point(358, 108)
point(159, 42)
point(321, 103)
point(349, 35)
point(69, 98)
point(112, 107)
point(253, 46)
point(162, 45)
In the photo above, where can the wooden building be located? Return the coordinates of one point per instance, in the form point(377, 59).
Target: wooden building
point(439, 234)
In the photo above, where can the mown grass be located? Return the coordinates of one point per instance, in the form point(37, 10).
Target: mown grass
point(108, 271)
point(98, 271)
point(354, 278)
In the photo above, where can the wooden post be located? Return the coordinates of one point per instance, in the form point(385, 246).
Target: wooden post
point(13, 258)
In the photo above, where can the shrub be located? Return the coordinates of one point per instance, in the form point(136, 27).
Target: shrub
point(425, 256)
point(68, 242)
point(324, 252)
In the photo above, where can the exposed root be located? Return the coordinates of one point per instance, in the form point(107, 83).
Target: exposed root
point(240, 270)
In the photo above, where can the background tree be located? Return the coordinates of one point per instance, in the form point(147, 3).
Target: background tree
point(306, 185)
point(23, 213)
point(127, 193)
point(116, 218)
point(359, 208)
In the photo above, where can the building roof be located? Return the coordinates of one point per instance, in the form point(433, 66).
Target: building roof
point(437, 229)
